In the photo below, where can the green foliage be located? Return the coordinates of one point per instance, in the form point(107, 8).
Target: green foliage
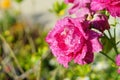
point(58, 8)
point(7, 20)
point(82, 70)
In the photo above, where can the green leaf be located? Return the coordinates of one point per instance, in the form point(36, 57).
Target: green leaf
point(58, 8)
point(63, 6)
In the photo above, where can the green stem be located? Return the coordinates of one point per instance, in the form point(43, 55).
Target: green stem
point(109, 34)
point(39, 70)
point(107, 56)
point(117, 42)
point(113, 43)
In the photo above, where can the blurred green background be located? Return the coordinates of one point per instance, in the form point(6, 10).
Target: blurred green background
point(24, 54)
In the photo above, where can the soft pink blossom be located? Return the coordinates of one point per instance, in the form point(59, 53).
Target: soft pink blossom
point(71, 39)
point(118, 71)
point(100, 22)
point(118, 60)
point(77, 4)
point(112, 6)
point(83, 12)
point(69, 1)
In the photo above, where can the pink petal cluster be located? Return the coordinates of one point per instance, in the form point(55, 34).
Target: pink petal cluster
point(112, 6)
point(77, 4)
point(82, 9)
point(71, 39)
point(100, 22)
point(118, 62)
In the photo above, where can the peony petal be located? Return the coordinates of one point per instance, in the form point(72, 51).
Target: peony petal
point(114, 10)
point(79, 58)
point(94, 42)
point(89, 57)
point(64, 60)
point(97, 7)
point(69, 1)
point(113, 6)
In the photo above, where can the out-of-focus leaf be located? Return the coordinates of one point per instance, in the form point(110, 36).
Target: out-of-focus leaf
point(6, 21)
point(18, 1)
point(63, 5)
point(58, 8)
point(82, 70)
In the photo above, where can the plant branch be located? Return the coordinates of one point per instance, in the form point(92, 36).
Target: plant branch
point(114, 43)
point(12, 53)
point(107, 56)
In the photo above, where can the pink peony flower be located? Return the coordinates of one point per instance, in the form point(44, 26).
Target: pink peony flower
point(112, 6)
point(71, 39)
point(100, 22)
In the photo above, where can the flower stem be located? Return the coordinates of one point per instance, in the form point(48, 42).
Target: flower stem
point(114, 43)
point(107, 56)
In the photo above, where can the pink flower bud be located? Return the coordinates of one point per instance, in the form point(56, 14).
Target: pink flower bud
point(100, 22)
